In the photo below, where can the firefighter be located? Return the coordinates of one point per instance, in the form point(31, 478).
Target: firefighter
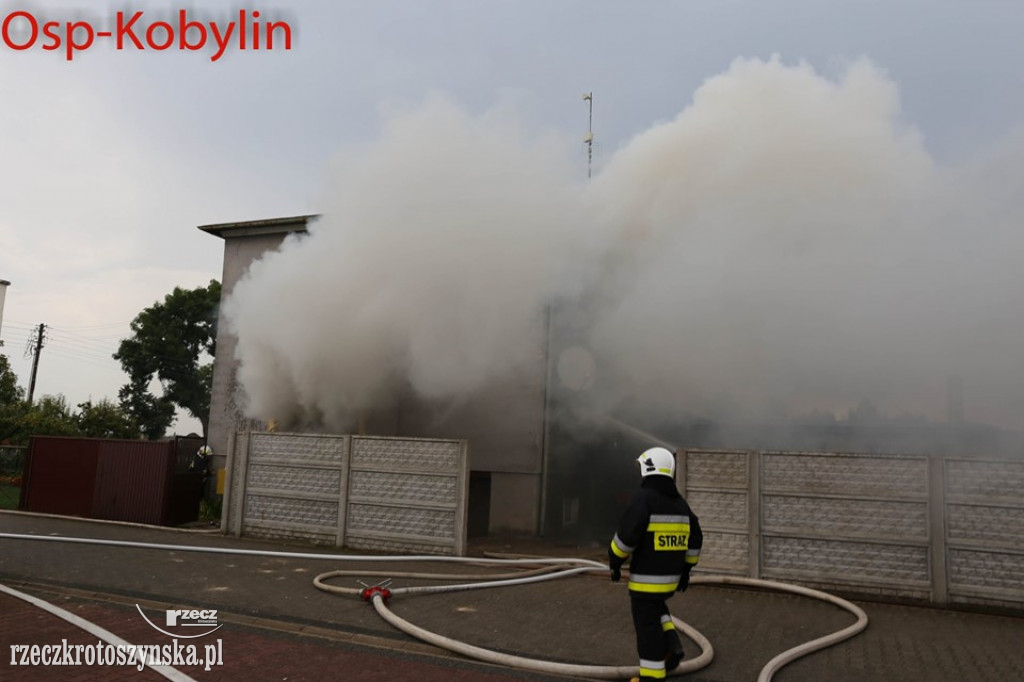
point(663, 536)
point(200, 463)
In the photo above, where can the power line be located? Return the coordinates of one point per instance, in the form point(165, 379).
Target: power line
point(18, 332)
point(85, 355)
point(109, 325)
point(59, 341)
point(83, 343)
point(95, 362)
point(90, 326)
point(18, 327)
point(17, 337)
point(93, 350)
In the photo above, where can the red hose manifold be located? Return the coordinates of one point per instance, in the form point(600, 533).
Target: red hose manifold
point(370, 592)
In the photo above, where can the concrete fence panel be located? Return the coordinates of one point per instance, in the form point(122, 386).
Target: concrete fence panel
point(401, 495)
point(408, 495)
point(985, 531)
point(838, 520)
point(293, 486)
point(944, 530)
point(721, 487)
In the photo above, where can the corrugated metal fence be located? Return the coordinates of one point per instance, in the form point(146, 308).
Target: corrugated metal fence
point(122, 480)
point(942, 530)
point(391, 494)
point(116, 480)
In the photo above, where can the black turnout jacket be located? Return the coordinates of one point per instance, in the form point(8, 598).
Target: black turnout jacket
point(662, 534)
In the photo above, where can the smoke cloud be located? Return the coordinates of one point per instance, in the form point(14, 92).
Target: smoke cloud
point(430, 267)
point(785, 244)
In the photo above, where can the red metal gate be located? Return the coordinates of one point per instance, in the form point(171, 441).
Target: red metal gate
point(117, 480)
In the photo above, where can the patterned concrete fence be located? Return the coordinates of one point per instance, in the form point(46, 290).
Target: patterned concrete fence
point(720, 486)
point(393, 494)
point(984, 538)
point(942, 530)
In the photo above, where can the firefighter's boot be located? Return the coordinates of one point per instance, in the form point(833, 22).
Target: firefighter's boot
point(675, 650)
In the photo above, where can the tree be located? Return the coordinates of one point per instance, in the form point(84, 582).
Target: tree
point(168, 343)
point(151, 414)
point(49, 416)
point(10, 392)
point(11, 398)
point(105, 419)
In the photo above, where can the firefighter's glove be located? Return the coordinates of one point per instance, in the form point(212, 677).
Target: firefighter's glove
point(615, 565)
point(684, 582)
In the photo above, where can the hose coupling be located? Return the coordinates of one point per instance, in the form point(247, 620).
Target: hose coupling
point(370, 592)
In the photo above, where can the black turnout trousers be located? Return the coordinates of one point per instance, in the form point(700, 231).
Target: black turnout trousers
point(647, 619)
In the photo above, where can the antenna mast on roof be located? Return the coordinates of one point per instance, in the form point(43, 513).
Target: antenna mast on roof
point(589, 138)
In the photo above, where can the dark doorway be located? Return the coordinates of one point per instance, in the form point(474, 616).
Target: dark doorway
point(479, 522)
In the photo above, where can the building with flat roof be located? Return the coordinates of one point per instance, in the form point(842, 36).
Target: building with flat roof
point(505, 423)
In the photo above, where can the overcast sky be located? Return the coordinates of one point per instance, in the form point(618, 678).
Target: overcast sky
point(110, 161)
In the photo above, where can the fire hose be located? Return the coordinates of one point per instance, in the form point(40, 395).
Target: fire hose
point(549, 568)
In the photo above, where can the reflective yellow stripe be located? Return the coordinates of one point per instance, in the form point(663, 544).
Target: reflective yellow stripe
point(668, 625)
point(653, 674)
point(670, 527)
point(692, 560)
point(654, 588)
point(618, 552)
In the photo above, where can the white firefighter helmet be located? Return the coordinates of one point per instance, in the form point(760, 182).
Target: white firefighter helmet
point(205, 451)
point(657, 461)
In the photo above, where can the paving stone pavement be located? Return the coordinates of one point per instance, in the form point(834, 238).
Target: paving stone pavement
point(244, 652)
point(278, 626)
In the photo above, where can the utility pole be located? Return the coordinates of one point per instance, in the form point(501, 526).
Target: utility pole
point(588, 139)
point(38, 346)
point(3, 294)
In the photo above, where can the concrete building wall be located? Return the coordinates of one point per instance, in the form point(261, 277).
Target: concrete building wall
point(515, 503)
point(504, 423)
point(504, 420)
point(243, 244)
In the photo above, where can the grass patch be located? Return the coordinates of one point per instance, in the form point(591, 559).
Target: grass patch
point(209, 510)
point(9, 496)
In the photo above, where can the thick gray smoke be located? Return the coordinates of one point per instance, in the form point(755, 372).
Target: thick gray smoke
point(785, 244)
point(436, 254)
